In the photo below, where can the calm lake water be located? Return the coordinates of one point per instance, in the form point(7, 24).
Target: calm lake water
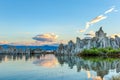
point(51, 67)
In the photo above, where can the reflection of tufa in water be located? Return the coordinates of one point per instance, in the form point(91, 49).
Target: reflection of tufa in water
point(99, 41)
point(16, 57)
point(101, 66)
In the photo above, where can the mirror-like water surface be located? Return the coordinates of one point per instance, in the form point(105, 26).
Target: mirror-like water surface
point(51, 67)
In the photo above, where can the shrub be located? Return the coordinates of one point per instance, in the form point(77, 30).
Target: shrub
point(99, 51)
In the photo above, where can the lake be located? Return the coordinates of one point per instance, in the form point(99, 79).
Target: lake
point(51, 67)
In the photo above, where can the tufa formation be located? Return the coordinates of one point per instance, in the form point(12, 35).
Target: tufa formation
point(99, 41)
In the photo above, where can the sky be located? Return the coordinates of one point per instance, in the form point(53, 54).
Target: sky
point(40, 22)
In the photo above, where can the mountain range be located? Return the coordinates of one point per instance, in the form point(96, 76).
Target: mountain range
point(44, 47)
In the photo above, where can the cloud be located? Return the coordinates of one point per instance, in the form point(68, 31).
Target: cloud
point(83, 30)
point(93, 21)
point(92, 33)
point(48, 37)
point(44, 43)
point(22, 43)
point(110, 10)
point(4, 42)
point(98, 19)
point(87, 25)
point(113, 35)
point(63, 41)
point(33, 43)
point(41, 39)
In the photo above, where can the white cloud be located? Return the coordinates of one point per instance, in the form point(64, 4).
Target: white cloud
point(41, 39)
point(48, 37)
point(93, 21)
point(98, 19)
point(87, 25)
point(110, 10)
point(92, 33)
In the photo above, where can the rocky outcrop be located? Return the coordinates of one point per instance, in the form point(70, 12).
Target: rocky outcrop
point(99, 41)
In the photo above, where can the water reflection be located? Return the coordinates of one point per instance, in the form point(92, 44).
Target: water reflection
point(38, 59)
point(46, 61)
point(103, 67)
point(5, 58)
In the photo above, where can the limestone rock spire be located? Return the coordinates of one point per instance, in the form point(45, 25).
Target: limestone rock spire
point(100, 33)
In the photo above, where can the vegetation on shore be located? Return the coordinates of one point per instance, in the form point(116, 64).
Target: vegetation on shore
point(100, 52)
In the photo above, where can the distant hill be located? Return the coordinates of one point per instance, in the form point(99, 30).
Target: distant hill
point(44, 47)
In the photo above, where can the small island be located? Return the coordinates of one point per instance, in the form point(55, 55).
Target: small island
point(99, 45)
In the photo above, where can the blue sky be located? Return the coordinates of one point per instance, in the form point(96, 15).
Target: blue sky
point(59, 20)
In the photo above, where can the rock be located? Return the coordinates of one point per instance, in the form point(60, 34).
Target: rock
point(99, 41)
point(60, 49)
point(117, 40)
point(100, 34)
point(71, 47)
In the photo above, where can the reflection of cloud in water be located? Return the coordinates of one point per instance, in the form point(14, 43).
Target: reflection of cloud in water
point(97, 78)
point(46, 61)
point(91, 75)
point(88, 74)
point(6, 59)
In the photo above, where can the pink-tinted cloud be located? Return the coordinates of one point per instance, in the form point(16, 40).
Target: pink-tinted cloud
point(48, 37)
point(4, 42)
point(42, 39)
point(22, 43)
point(113, 35)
